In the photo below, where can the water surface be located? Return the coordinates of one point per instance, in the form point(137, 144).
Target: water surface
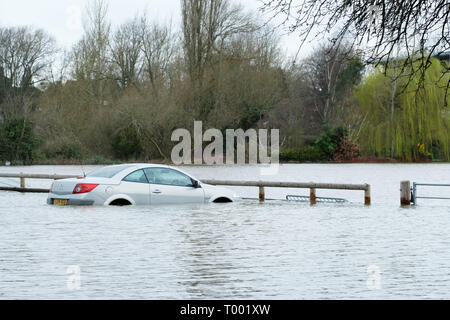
point(248, 250)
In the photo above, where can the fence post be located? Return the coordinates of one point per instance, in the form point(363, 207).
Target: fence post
point(405, 193)
point(312, 196)
point(261, 193)
point(22, 181)
point(367, 195)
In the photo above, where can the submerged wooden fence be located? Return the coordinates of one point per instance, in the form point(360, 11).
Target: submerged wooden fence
point(23, 176)
point(312, 186)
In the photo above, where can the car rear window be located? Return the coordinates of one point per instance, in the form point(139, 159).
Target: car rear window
point(136, 176)
point(109, 172)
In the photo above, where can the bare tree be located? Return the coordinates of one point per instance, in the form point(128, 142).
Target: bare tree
point(328, 78)
point(91, 61)
point(259, 48)
point(91, 53)
point(420, 27)
point(159, 46)
point(25, 55)
point(207, 25)
point(126, 52)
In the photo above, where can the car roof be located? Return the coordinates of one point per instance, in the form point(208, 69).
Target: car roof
point(147, 165)
point(131, 167)
point(136, 166)
point(125, 168)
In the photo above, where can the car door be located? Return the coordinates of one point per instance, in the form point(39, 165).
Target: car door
point(172, 186)
point(137, 187)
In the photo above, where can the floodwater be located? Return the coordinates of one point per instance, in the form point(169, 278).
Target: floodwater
point(246, 250)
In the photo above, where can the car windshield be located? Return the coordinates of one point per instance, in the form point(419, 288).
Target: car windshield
point(109, 172)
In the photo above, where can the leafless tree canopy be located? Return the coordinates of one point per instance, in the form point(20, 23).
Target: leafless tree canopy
point(25, 55)
point(413, 30)
point(126, 52)
point(90, 55)
point(158, 46)
point(207, 25)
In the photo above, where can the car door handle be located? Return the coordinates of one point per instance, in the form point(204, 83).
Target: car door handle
point(157, 191)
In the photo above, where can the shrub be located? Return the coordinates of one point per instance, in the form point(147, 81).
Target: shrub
point(312, 153)
point(18, 141)
point(330, 140)
point(330, 145)
point(62, 148)
point(289, 155)
point(69, 151)
point(126, 144)
point(347, 151)
point(307, 153)
point(101, 160)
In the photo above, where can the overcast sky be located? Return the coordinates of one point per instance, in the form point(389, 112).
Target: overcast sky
point(62, 18)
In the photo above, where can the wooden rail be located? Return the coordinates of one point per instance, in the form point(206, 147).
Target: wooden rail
point(312, 186)
point(36, 175)
point(28, 190)
point(22, 177)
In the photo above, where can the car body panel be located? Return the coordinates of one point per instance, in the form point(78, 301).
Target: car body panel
point(212, 193)
point(139, 192)
point(164, 194)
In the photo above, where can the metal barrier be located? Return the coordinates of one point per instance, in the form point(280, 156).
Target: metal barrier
point(408, 194)
point(414, 195)
point(291, 197)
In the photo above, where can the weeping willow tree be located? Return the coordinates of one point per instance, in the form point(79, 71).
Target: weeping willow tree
point(403, 120)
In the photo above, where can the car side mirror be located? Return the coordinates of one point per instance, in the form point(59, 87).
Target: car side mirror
point(195, 184)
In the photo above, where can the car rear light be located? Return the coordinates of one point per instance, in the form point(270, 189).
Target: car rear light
point(84, 187)
point(51, 187)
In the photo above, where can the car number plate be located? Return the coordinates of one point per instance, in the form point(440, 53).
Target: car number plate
point(60, 202)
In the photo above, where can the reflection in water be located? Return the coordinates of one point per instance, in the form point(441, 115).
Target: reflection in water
point(248, 250)
point(209, 252)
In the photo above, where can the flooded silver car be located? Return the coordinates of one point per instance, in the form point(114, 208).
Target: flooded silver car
point(136, 184)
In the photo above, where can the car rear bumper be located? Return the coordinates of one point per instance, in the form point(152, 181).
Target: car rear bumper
point(83, 199)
